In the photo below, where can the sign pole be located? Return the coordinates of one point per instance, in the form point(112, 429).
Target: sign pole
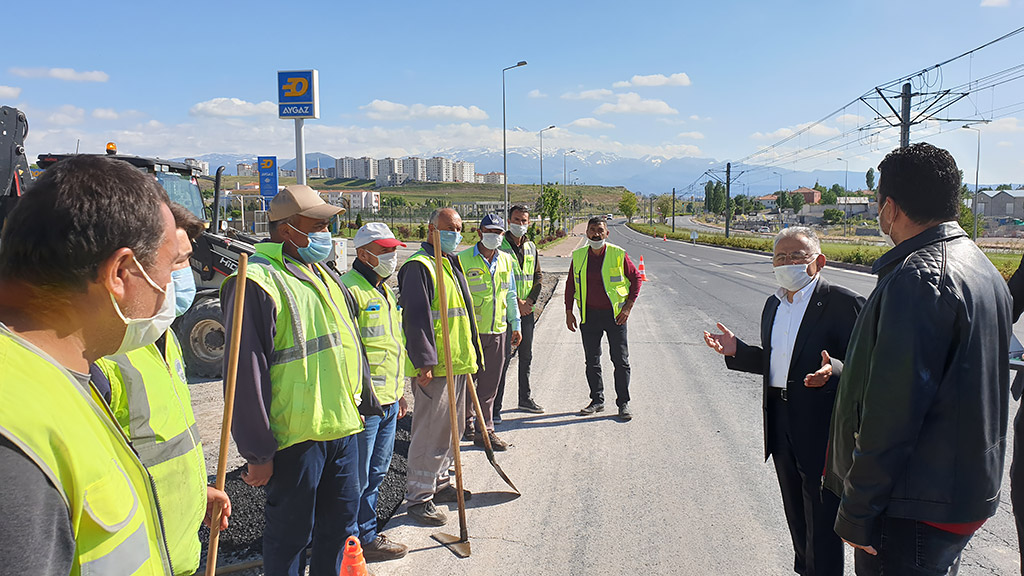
point(300, 152)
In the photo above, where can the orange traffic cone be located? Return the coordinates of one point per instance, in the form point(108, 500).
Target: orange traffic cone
point(664, 237)
point(642, 270)
point(352, 562)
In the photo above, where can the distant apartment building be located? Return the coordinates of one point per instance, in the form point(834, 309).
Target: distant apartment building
point(463, 171)
point(332, 172)
point(204, 167)
point(282, 173)
point(245, 169)
point(316, 172)
point(490, 178)
point(365, 168)
point(415, 168)
point(811, 196)
point(363, 201)
point(770, 201)
point(439, 169)
point(389, 172)
point(345, 167)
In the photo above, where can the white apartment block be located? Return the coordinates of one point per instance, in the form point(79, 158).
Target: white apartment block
point(415, 168)
point(204, 167)
point(363, 201)
point(439, 169)
point(245, 169)
point(366, 168)
point(388, 170)
point(345, 167)
point(490, 178)
point(463, 171)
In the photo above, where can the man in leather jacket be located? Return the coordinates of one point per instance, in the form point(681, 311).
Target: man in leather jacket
point(918, 431)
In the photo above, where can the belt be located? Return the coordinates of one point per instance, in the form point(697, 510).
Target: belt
point(779, 393)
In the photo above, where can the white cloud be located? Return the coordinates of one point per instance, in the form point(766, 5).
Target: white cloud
point(593, 123)
point(671, 121)
point(387, 110)
point(995, 3)
point(227, 107)
point(813, 130)
point(9, 92)
point(697, 118)
point(595, 94)
point(1004, 144)
point(1006, 125)
point(678, 79)
point(691, 135)
point(850, 119)
point(66, 115)
point(535, 93)
point(68, 74)
point(632, 103)
point(105, 114)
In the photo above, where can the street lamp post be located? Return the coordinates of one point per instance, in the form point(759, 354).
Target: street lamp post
point(846, 186)
point(564, 173)
point(504, 145)
point(542, 156)
point(778, 206)
point(977, 167)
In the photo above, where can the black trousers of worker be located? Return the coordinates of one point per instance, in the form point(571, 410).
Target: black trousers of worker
point(1017, 481)
point(525, 352)
point(810, 510)
point(599, 323)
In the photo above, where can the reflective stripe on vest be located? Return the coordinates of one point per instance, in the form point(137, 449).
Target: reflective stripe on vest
point(615, 284)
point(380, 327)
point(71, 435)
point(460, 335)
point(316, 368)
point(523, 273)
point(152, 404)
point(489, 292)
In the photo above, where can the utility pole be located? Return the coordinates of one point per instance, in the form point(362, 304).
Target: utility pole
point(673, 210)
point(905, 117)
point(728, 183)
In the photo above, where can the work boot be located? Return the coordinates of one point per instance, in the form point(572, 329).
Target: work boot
point(468, 435)
point(448, 494)
point(592, 408)
point(530, 406)
point(383, 549)
point(428, 514)
point(624, 412)
point(497, 444)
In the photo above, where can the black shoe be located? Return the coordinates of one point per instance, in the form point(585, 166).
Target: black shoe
point(530, 406)
point(624, 412)
point(592, 408)
point(383, 549)
point(469, 435)
point(448, 494)
point(497, 417)
point(428, 514)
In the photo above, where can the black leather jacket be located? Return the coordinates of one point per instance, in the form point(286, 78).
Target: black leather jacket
point(918, 430)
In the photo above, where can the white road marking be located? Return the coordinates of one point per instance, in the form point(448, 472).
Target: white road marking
point(745, 274)
point(697, 260)
point(716, 265)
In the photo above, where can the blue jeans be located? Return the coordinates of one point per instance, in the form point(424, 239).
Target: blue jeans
point(910, 548)
point(312, 495)
point(376, 444)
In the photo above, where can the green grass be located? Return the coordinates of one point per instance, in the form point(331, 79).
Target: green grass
point(864, 254)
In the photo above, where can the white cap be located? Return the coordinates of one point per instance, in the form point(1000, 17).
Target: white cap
point(376, 232)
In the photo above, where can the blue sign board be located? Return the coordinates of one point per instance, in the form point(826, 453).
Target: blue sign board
point(298, 94)
point(268, 175)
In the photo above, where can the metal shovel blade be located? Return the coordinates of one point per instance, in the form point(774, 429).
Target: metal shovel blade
point(457, 545)
point(497, 468)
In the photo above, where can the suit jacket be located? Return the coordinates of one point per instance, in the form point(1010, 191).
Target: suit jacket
point(826, 325)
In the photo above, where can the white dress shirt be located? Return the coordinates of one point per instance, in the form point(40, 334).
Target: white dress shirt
point(788, 317)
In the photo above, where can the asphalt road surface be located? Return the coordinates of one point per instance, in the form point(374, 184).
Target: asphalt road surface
point(682, 489)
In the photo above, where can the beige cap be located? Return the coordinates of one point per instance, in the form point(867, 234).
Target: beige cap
point(302, 200)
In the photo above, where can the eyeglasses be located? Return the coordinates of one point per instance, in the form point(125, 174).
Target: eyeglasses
point(792, 258)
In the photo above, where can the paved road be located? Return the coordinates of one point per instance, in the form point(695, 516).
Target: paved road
point(679, 490)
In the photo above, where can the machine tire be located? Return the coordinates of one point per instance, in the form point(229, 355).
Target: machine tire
point(201, 332)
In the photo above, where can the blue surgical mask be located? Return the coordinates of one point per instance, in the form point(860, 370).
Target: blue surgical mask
point(450, 241)
point(184, 289)
point(320, 246)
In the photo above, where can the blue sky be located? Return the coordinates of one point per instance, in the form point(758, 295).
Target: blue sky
point(716, 80)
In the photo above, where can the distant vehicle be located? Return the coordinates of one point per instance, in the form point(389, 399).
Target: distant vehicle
point(764, 230)
point(608, 216)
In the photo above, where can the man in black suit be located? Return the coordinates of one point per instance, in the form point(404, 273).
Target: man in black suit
point(805, 329)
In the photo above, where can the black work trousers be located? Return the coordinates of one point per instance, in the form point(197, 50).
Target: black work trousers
point(599, 323)
point(525, 353)
point(1017, 481)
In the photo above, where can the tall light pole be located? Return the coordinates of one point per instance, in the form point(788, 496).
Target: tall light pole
point(504, 145)
point(542, 156)
point(778, 205)
point(977, 166)
point(564, 173)
point(846, 186)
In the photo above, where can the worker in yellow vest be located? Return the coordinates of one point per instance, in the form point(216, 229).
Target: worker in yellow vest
point(490, 274)
point(430, 452)
point(301, 381)
point(85, 272)
point(604, 284)
point(380, 327)
point(148, 394)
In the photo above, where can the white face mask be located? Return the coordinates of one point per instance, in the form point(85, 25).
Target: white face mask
point(141, 332)
point(518, 230)
point(792, 277)
point(887, 237)
point(595, 244)
point(490, 240)
point(386, 264)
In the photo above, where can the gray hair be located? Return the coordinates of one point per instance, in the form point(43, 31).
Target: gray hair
point(437, 214)
point(797, 232)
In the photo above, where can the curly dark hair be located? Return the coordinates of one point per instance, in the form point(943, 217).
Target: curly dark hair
point(187, 221)
point(75, 216)
point(923, 180)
